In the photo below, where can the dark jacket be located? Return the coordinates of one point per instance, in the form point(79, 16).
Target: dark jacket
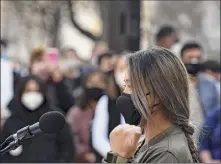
point(60, 94)
point(42, 147)
point(169, 147)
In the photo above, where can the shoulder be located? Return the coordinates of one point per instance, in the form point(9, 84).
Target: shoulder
point(173, 148)
point(207, 82)
point(102, 102)
point(176, 145)
point(103, 99)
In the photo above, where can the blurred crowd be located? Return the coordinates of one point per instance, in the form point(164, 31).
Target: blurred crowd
point(86, 92)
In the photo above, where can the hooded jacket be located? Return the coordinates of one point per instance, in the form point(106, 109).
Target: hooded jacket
point(43, 148)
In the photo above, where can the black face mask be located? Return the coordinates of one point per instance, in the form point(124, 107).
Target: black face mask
point(193, 69)
point(125, 106)
point(94, 93)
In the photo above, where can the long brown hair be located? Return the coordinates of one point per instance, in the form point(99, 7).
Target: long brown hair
point(166, 78)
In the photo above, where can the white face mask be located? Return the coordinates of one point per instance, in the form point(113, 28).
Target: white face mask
point(119, 77)
point(175, 48)
point(32, 100)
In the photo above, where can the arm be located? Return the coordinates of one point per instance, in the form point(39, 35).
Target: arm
point(205, 157)
point(65, 145)
point(100, 139)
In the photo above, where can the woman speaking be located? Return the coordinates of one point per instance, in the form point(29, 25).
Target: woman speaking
point(156, 86)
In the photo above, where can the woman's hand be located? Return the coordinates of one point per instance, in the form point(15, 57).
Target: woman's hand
point(124, 139)
point(90, 157)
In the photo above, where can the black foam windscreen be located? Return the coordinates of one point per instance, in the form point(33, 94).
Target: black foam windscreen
point(52, 122)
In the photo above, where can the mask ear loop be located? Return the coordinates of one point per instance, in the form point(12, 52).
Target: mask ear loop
point(151, 107)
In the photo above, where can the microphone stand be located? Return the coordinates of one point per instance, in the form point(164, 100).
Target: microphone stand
point(15, 141)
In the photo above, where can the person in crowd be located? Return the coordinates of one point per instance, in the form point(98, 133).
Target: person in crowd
point(18, 68)
point(107, 116)
point(71, 65)
point(106, 63)
point(210, 138)
point(81, 115)
point(157, 85)
point(57, 89)
point(119, 73)
point(209, 85)
point(99, 47)
point(191, 56)
point(7, 79)
point(166, 36)
point(29, 104)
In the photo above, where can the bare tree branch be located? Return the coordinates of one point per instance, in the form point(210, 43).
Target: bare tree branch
point(77, 26)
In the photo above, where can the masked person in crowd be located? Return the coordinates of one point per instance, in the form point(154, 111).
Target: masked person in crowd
point(81, 115)
point(157, 85)
point(119, 73)
point(166, 36)
point(210, 138)
point(29, 104)
point(57, 89)
point(71, 66)
point(107, 116)
point(191, 56)
point(209, 85)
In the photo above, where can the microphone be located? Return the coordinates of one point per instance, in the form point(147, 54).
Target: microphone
point(49, 123)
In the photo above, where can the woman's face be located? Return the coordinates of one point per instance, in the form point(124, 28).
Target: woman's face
point(119, 72)
point(128, 88)
point(40, 68)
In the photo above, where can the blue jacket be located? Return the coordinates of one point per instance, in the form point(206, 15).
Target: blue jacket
point(210, 136)
point(208, 93)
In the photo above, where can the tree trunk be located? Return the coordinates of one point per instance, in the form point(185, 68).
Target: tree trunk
point(77, 26)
